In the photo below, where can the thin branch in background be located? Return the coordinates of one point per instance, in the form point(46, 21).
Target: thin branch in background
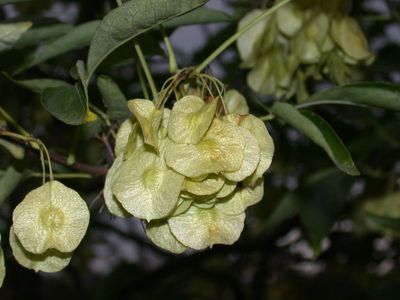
point(90, 169)
point(110, 152)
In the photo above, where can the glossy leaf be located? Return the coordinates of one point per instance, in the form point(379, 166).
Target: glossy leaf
point(385, 221)
point(323, 197)
point(379, 94)
point(113, 98)
point(202, 15)
point(77, 38)
point(320, 132)
point(37, 35)
point(130, 20)
point(38, 85)
point(65, 103)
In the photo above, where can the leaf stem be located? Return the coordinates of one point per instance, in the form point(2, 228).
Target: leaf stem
point(173, 66)
point(238, 34)
point(268, 117)
point(102, 115)
point(146, 71)
point(145, 66)
point(142, 83)
point(12, 121)
point(32, 174)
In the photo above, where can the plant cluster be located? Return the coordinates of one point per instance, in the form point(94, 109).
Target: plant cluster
point(189, 172)
point(302, 40)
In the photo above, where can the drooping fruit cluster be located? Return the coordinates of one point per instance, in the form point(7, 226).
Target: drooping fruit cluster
point(48, 225)
point(303, 39)
point(190, 172)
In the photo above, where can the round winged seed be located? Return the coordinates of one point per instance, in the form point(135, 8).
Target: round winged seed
point(290, 19)
point(183, 205)
point(238, 202)
point(122, 136)
point(221, 149)
point(111, 201)
point(190, 119)
point(251, 157)
point(347, 33)
point(227, 189)
point(146, 187)
point(236, 103)
point(51, 216)
point(161, 235)
point(210, 185)
point(49, 261)
point(201, 228)
point(149, 118)
point(247, 42)
point(260, 132)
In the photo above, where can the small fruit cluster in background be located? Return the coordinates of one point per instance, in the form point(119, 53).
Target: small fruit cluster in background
point(303, 39)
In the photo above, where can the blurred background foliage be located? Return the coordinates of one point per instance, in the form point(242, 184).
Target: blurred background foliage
point(312, 237)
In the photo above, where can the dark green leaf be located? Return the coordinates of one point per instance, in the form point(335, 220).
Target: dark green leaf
point(384, 221)
point(37, 35)
point(322, 198)
point(130, 20)
point(126, 54)
point(320, 132)
point(77, 38)
point(65, 103)
point(4, 2)
point(202, 15)
point(379, 94)
point(38, 85)
point(287, 208)
point(8, 182)
point(113, 98)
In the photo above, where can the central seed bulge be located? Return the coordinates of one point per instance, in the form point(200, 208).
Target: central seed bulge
point(152, 177)
point(210, 149)
point(52, 217)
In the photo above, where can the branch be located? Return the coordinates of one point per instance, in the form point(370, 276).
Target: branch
point(93, 170)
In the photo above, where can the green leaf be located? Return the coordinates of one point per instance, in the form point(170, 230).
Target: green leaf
point(320, 132)
point(4, 2)
point(37, 35)
point(38, 85)
point(287, 208)
point(202, 15)
point(379, 94)
point(385, 221)
point(77, 38)
point(113, 98)
point(130, 20)
point(322, 197)
point(8, 182)
point(65, 103)
point(11, 33)
point(15, 150)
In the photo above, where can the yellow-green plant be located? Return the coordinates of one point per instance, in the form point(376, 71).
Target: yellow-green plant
point(189, 172)
point(301, 40)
